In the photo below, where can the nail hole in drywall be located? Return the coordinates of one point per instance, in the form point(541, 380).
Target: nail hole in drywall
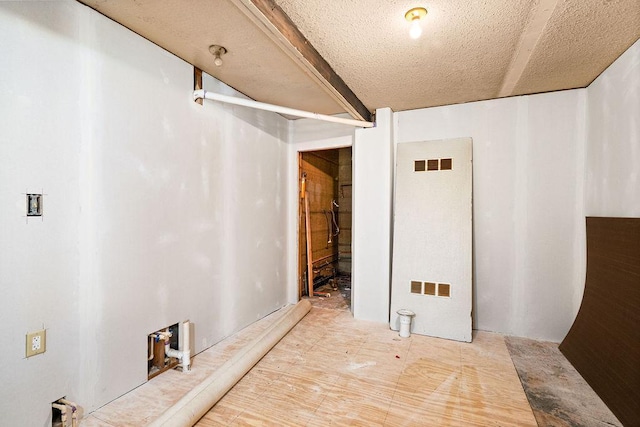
point(419, 166)
point(446, 164)
point(444, 290)
point(429, 288)
point(432, 165)
point(416, 287)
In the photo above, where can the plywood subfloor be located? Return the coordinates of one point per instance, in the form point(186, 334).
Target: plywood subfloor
point(558, 395)
point(340, 297)
point(334, 370)
point(144, 404)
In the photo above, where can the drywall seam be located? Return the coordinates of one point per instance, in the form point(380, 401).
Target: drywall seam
point(90, 310)
point(518, 304)
point(579, 244)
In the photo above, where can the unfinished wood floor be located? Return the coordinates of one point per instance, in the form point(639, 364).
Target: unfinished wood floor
point(333, 370)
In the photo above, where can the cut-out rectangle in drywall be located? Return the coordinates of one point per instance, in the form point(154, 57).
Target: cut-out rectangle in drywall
point(416, 287)
point(444, 290)
point(429, 288)
point(433, 164)
point(419, 166)
point(34, 204)
point(446, 164)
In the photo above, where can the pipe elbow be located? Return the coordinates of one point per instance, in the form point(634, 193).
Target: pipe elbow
point(60, 407)
point(72, 405)
point(199, 94)
point(183, 356)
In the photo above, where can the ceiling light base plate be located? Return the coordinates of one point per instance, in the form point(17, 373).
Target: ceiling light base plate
point(415, 13)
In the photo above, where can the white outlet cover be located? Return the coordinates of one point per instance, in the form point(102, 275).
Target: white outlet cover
point(36, 343)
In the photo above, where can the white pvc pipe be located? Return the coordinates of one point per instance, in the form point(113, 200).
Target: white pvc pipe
point(151, 342)
point(203, 94)
point(186, 347)
point(183, 355)
point(195, 404)
point(74, 411)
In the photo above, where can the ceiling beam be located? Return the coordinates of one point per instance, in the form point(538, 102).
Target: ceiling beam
point(538, 20)
point(279, 27)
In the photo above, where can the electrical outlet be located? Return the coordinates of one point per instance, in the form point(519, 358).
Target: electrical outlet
point(36, 343)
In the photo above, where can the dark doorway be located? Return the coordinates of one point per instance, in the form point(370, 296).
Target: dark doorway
point(325, 179)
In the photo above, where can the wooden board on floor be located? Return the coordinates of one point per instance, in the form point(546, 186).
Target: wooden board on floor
point(307, 224)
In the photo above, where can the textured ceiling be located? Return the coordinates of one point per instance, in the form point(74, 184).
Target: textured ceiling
point(581, 39)
point(470, 49)
point(254, 64)
point(463, 54)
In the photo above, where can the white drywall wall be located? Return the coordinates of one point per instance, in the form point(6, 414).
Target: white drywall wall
point(315, 134)
point(613, 139)
point(39, 152)
point(157, 209)
point(372, 216)
point(527, 201)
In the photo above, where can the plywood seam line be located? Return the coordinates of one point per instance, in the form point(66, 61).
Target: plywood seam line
point(203, 94)
point(529, 39)
point(277, 25)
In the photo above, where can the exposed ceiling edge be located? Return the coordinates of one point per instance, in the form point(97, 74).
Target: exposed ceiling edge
point(279, 27)
point(532, 33)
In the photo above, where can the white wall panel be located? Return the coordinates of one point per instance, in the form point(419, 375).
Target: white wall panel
point(527, 205)
point(432, 237)
point(157, 209)
point(372, 217)
point(613, 139)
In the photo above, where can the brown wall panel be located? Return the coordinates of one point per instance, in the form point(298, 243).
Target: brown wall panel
point(604, 341)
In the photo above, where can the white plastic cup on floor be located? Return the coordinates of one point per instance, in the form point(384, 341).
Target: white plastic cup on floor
point(405, 322)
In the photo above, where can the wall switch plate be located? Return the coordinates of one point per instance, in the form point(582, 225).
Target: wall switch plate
point(36, 342)
point(34, 204)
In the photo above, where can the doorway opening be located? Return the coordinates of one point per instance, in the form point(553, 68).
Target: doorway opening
point(324, 227)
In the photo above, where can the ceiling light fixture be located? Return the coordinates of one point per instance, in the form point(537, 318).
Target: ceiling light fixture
point(414, 16)
point(217, 51)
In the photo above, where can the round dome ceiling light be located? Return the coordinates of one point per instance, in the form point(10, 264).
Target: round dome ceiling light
point(217, 51)
point(414, 16)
